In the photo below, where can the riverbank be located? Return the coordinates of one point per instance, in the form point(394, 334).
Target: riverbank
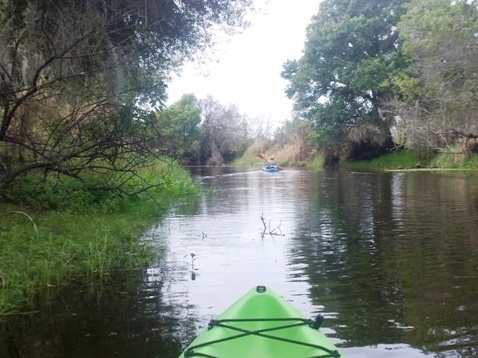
point(414, 160)
point(290, 156)
point(42, 251)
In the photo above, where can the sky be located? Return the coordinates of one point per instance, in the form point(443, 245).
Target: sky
point(246, 69)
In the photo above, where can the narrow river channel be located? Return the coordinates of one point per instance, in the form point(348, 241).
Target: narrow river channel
point(389, 259)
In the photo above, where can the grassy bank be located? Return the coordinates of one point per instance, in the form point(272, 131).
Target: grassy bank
point(84, 239)
point(285, 156)
point(290, 156)
point(411, 160)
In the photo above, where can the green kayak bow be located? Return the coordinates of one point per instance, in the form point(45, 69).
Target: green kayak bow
point(264, 325)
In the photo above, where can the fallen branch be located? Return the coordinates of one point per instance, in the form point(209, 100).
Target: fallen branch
point(268, 230)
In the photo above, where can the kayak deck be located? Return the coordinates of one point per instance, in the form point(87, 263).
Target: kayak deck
point(262, 324)
point(270, 169)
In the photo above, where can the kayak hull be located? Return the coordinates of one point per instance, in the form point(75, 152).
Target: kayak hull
point(270, 169)
point(261, 324)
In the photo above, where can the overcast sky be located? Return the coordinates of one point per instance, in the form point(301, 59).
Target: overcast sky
point(246, 69)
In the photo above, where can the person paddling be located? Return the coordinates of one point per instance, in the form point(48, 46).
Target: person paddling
point(271, 162)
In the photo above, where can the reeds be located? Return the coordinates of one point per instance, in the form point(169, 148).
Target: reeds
point(67, 248)
point(406, 159)
point(43, 251)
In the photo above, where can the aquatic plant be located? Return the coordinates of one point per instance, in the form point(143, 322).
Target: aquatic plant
point(83, 237)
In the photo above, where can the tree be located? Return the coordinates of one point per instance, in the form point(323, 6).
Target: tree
point(436, 98)
point(225, 134)
point(177, 129)
point(76, 77)
point(295, 134)
point(340, 81)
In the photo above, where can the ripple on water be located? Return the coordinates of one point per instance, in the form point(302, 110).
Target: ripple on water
point(384, 257)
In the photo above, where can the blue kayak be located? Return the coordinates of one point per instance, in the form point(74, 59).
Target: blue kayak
point(271, 169)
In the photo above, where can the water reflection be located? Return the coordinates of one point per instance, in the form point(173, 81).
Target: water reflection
point(123, 320)
point(389, 258)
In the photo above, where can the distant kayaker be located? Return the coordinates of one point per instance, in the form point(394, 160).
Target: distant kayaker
point(271, 162)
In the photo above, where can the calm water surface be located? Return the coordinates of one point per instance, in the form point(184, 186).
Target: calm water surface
point(390, 260)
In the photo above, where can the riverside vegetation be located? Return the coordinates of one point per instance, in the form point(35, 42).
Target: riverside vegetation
point(76, 115)
point(374, 77)
point(83, 131)
point(290, 155)
point(65, 235)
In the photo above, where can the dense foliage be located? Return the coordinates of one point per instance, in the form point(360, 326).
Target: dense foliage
point(82, 238)
point(225, 132)
point(201, 132)
point(176, 129)
point(76, 78)
point(376, 71)
point(339, 82)
point(436, 98)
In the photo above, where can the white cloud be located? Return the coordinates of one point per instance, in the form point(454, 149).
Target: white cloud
point(246, 69)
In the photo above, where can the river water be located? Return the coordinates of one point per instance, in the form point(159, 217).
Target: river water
point(389, 259)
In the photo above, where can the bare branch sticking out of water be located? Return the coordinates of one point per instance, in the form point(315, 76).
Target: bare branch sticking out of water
point(193, 273)
point(268, 230)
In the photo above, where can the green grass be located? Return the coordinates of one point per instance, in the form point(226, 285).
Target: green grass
point(452, 161)
point(410, 159)
point(316, 163)
point(405, 159)
point(285, 156)
point(250, 158)
point(84, 239)
point(66, 247)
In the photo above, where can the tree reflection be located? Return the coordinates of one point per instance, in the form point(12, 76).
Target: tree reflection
point(125, 317)
point(396, 255)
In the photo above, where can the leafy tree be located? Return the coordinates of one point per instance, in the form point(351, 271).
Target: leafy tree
point(225, 132)
point(177, 128)
point(340, 82)
point(436, 100)
point(75, 77)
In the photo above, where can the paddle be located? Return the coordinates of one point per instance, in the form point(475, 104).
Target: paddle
point(262, 157)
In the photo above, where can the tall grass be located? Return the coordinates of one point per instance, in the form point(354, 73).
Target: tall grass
point(450, 160)
point(86, 241)
point(405, 159)
point(285, 156)
point(411, 159)
point(68, 247)
point(250, 158)
point(316, 162)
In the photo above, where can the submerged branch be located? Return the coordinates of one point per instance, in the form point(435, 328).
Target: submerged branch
point(268, 230)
